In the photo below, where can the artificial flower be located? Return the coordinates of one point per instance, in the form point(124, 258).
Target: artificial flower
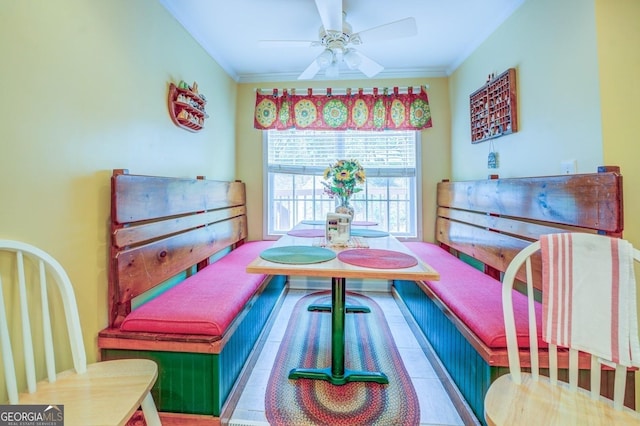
point(342, 179)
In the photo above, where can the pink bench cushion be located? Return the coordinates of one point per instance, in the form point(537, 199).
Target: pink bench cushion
point(206, 302)
point(475, 297)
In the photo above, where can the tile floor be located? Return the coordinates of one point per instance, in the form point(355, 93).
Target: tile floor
point(436, 406)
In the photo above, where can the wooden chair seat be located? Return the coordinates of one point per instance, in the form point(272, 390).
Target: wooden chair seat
point(538, 402)
point(105, 394)
point(41, 308)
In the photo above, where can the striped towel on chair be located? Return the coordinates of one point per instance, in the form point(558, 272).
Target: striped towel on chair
point(589, 295)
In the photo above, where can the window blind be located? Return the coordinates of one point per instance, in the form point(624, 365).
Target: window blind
point(382, 153)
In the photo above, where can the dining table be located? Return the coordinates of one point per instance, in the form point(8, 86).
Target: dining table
point(370, 254)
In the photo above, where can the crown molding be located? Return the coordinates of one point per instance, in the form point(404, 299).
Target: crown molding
point(344, 75)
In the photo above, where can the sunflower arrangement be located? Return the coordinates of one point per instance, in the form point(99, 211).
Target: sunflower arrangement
point(342, 179)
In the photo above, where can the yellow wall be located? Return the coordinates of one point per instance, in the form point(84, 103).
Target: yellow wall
point(435, 143)
point(619, 64)
point(618, 27)
point(552, 45)
point(84, 90)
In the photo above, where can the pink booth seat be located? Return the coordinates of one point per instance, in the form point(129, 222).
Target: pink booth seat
point(475, 297)
point(205, 303)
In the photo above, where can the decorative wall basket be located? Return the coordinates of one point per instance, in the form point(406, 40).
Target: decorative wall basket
point(187, 106)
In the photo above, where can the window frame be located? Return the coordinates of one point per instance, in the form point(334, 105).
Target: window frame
point(418, 189)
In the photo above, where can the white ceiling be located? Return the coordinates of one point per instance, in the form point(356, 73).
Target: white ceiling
point(229, 30)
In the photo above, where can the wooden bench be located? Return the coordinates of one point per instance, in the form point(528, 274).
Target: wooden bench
point(480, 226)
point(178, 290)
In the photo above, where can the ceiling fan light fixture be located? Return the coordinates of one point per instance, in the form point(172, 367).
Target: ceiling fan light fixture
point(336, 36)
point(325, 59)
point(352, 59)
point(332, 71)
point(338, 53)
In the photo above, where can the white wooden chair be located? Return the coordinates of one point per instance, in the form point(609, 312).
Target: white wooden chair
point(523, 398)
point(103, 393)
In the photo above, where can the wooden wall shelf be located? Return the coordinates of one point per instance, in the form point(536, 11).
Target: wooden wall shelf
point(187, 108)
point(493, 108)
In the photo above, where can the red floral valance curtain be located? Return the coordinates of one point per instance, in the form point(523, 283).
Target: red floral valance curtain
point(351, 111)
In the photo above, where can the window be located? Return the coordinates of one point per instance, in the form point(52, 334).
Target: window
point(296, 159)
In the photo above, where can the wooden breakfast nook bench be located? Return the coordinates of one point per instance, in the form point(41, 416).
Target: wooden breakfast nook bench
point(480, 226)
point(178, 290)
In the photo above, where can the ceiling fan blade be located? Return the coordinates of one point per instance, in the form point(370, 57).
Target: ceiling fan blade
point(368, 66)
point(330, 14)
point(287, 43)
point(310, 72)
point(397, 29)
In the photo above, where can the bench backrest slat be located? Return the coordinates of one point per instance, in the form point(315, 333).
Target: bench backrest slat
point(492, 220)
point(501, 224)
point(162, 226)
point(138, 198)
point(591, 201)
point(124, 237)
point(142, 268)
point(489, 247)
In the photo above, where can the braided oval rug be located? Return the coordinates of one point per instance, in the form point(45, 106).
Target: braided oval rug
point(369, 346)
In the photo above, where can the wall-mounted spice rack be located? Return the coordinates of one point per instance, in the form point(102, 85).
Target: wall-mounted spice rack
point(187, 106)
point(493, 108)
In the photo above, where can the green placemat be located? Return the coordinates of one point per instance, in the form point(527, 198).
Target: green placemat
point(297, 254)
point(369, 233)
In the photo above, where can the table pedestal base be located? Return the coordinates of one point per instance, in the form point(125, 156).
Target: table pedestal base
point(336, 374)
point(349, 309)
point(348, 376)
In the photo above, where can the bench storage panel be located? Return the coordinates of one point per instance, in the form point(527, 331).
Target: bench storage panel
point(179, 292)
point(466, 367)
point(200, 382)
point(490, 221)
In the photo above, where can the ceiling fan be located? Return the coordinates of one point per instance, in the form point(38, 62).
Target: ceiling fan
point(337, 38)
